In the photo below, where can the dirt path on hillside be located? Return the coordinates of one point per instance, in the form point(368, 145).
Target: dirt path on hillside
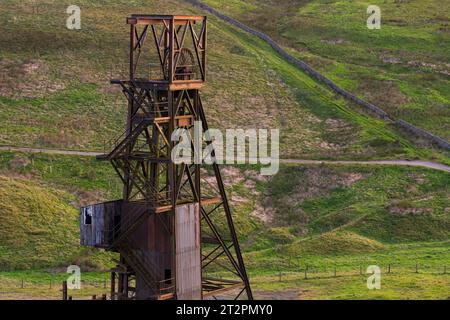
point(410, 163)
point(51, 151)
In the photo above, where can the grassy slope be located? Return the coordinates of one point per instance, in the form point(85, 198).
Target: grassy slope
point(309, 104)
point(327, 217)
point(40, 197)
point(403, 68)
point(60, 78)
point(397, 286)
point(335, 233)
point(40, 228)
point(36, 223)
point(335, 209)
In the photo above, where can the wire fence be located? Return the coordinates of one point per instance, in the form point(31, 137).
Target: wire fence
point(314, 271)
point(51, 284)
point(292, 268)
point(53, 289)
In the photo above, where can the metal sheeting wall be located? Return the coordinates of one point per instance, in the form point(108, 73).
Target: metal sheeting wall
point(155, 242)
point(188, 252)
point(98, 232)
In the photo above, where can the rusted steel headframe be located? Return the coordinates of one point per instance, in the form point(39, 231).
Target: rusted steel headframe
point(158, 104)
point(169, 36)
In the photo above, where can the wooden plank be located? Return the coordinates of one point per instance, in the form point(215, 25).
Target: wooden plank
point(216, 200)
point(159, 19)
point(186, 85)
point(176, 85)
point(177, 118)
point(166, 296)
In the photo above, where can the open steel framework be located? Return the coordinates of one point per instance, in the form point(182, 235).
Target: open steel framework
point(162, 97)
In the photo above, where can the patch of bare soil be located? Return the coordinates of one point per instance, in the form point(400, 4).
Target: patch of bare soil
point(405, 58)
point(16, 166)
point(419, 178)
point(288, 294)
point(263, 212)
point(319, 181)
point(333, 41)
point(263, 209)
point(408, 211)
point(443, 68)
point(19, 162)
point(235, 199)
point(444, 27)
point(390, 57)
point(26, 79)
point(255, 175)
point(277, 295)
point(339, 128)
point(385, 94)
point(85, 198)
point(231, 176)
point(315, 182)
point(336, 125)
point(16, 175)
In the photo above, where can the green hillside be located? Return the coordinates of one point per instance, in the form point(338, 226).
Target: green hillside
point(61, 79)
point(380, 204)
point(386, 204)
point(37, 227)
point(39, 205)
point(337, 216)
point(403, 68)
point(328, 219)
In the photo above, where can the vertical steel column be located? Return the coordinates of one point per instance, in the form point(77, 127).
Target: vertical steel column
point(228, 215)
point(129, 126)
point(197, 181)
point(205, 41)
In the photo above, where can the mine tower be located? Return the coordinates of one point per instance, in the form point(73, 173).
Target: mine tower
point(173, 229)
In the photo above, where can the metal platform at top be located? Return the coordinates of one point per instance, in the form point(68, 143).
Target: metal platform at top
point(160, 19)
point(177, 45)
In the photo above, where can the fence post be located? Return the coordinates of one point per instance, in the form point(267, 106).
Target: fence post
point(113, 285)
point(306, 272)
point(389, 269)
point(360, 270)
point(64, 290)
point(21, 285)
point(417, 268)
